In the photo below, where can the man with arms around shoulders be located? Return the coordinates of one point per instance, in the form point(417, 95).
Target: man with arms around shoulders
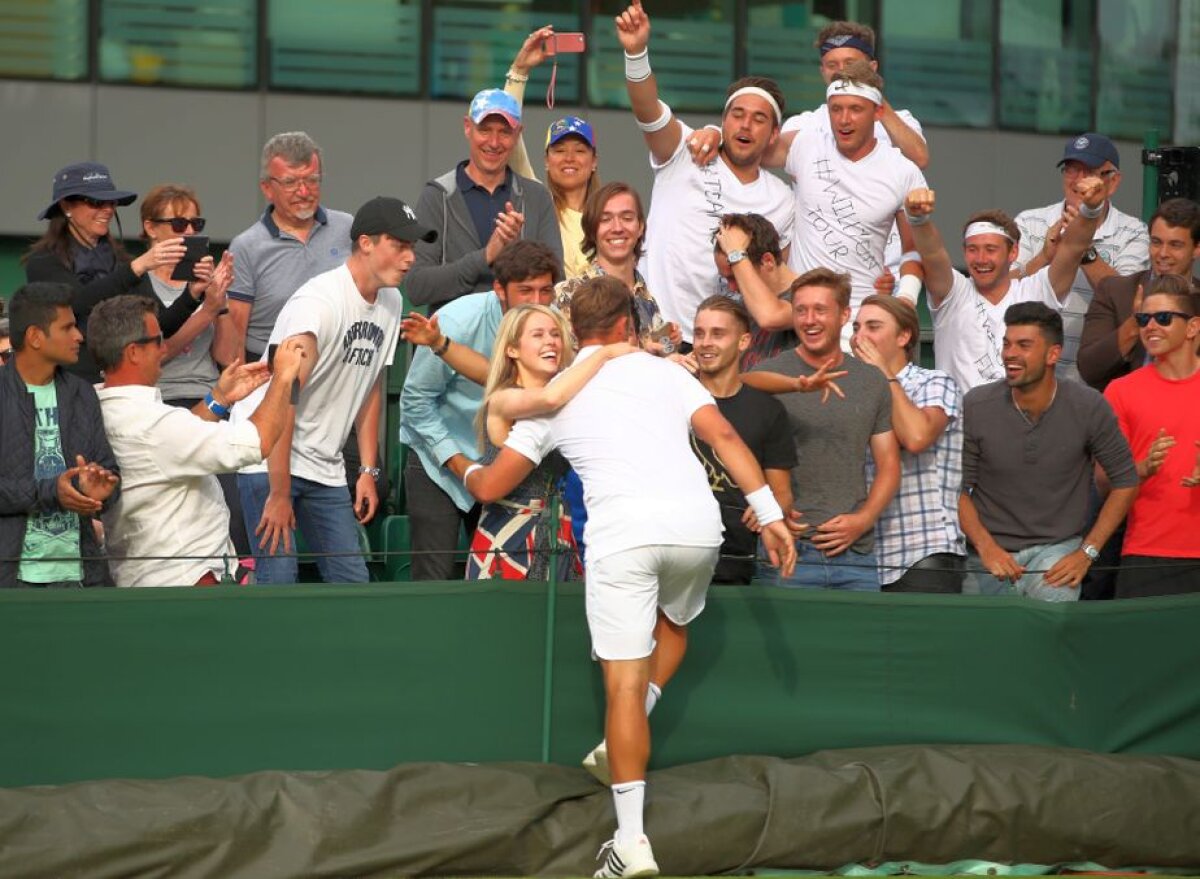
point(1030, 443)
point(170, 526)
point(347, 323)
point(58, 472)
point(293, 241)
point(917, 539)
point(1118, 245)
point(1110, 345)
point(968, 312)
point(650, 556)
point(1157, 410)
point(478, 208)
point(439, 406)
point(688, 201)
point(832, 440)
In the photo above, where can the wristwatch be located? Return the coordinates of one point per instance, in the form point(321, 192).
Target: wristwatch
point(736, 256)
point(1090, 551)
point(1089, 257)
point(373, 472)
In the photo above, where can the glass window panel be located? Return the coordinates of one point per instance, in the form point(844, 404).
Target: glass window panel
point(371, 46)
point(691, 52)
point(45, 40)
point(179, 42)
point(475, 42)
point(1187, 74)
point(936, 60)
point(1136, 38)
point(1046, 65)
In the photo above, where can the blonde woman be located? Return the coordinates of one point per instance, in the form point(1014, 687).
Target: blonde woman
point(533, 344)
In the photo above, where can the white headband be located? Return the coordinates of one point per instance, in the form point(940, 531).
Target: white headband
point(762, 93)
point(985, 229)
point(850, 87)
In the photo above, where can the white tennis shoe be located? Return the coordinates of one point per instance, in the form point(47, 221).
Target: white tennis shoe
point(596, 762)
point(625, 861)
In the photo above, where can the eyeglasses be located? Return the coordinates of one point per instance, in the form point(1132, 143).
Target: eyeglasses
point(1162, 318)
point(94, 203)
point(148, 340)
point(179, 225)
point(6, 355)
point(291, 184)
point(1083, 171)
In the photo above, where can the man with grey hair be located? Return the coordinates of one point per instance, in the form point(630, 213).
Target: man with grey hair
point(293, 241)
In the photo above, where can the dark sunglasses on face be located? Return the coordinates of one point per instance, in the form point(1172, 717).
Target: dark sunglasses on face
point(94, 203)
point(179, 225)
point(148, 340)
point(1162, 318)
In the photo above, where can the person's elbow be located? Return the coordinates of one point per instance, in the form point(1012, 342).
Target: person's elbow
point(485, 489)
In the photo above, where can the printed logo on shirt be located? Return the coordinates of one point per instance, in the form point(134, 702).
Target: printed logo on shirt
point(361, 342)
point(48, 463)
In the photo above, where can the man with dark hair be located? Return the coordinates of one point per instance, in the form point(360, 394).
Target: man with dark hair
point(1157, 409)
point(1110, 345)
point(722, 337)
point(650, 554)
point(170, 526)
point(1117, 246)
point(967, 311)
point(1029, 449)
point(347, 322)
point(479, 207)
point(832, 440)
point(688, 201)
point(439, 405)
point(58, 472)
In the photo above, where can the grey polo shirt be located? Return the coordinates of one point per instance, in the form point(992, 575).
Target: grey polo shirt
point(269, 265)
point(1029, 482)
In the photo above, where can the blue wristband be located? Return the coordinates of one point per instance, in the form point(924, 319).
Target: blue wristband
point(214, 407)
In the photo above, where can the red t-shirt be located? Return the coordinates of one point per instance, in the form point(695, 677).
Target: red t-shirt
point(1165, 518)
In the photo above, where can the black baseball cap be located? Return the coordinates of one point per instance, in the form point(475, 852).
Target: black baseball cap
point(1092, 149)
point(384, 214)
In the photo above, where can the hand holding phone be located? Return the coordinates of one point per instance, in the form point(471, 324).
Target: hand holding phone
point(567, 43)
point(196, 248)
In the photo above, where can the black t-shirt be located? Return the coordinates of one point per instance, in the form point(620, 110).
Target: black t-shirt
point(762, 423)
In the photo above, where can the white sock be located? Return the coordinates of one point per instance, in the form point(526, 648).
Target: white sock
point(653, 694)
point(629, 798)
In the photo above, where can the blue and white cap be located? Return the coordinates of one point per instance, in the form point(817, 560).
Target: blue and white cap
point(495, 102)
point(567, 126)
point(1092, 149)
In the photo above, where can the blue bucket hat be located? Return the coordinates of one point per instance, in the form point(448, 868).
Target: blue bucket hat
point(90, 179)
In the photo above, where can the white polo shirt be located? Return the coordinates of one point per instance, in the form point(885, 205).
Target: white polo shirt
point(627, 434)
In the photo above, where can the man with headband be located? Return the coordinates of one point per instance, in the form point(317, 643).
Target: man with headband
point(968, 313)
point(688, 201)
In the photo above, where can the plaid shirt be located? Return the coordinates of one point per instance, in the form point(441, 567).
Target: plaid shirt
point(922, 518)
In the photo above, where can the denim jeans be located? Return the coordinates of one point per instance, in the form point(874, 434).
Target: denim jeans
point(1036, 560)
point(324, 514)
point(851, 571)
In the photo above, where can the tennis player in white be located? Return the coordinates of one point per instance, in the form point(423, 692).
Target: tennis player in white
point(653, 532)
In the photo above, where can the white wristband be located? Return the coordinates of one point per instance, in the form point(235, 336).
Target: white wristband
point(909, 288)
point(917, 221)
point(766, 508)
point(658, 124)
point(467, 473)
point(1090, 213)
point(637, 67)
point(910, 256)
point(720, 133)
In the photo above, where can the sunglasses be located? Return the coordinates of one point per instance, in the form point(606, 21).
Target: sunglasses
point(1162, 318)
point(148, 340)
point(179, 225)
point(94, 203)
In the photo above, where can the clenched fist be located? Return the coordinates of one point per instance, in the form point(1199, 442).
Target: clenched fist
point(919, 203)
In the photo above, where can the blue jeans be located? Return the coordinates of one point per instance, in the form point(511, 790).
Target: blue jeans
point(851, 571)
point(1035, 559)
point(324, 514)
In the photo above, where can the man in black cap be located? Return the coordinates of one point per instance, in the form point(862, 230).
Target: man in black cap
point(347, 320)
point(1120, 245)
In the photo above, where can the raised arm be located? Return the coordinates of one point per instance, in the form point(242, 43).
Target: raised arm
point(939, 271)
point(466, 361)
point(530, 55)
point(662, 137)
point(766, 307)
point(1078, 236)
point(904, 137)
point(516, 403)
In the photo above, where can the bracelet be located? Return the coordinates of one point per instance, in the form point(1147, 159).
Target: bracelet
point(467, 473)
point(637, 67)
point(766, 508)
point(658, 124)
point(440, 350)
point(513, 76)
point(917, 221)
point(214, 407)
point(894, 379)
point(1090, 213)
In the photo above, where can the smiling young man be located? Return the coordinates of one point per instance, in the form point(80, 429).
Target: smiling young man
point(1157, 409)
point(478, 208)
point(1029, 448)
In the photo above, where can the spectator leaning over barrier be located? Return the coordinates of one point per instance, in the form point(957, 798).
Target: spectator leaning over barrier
point(439, 406)
point(968, 312)
point(917, 539)
point(1111, 345)
point(171, 507)
point(478, 207)
point(347, 320)
point(688, 201)
point(1158, 408)
point(293, 241)
point(1029, 447)
point(749, 257)
point(58, 471)
point(1118, 245)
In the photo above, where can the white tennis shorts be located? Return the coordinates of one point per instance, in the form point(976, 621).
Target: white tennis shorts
point(625, 590)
